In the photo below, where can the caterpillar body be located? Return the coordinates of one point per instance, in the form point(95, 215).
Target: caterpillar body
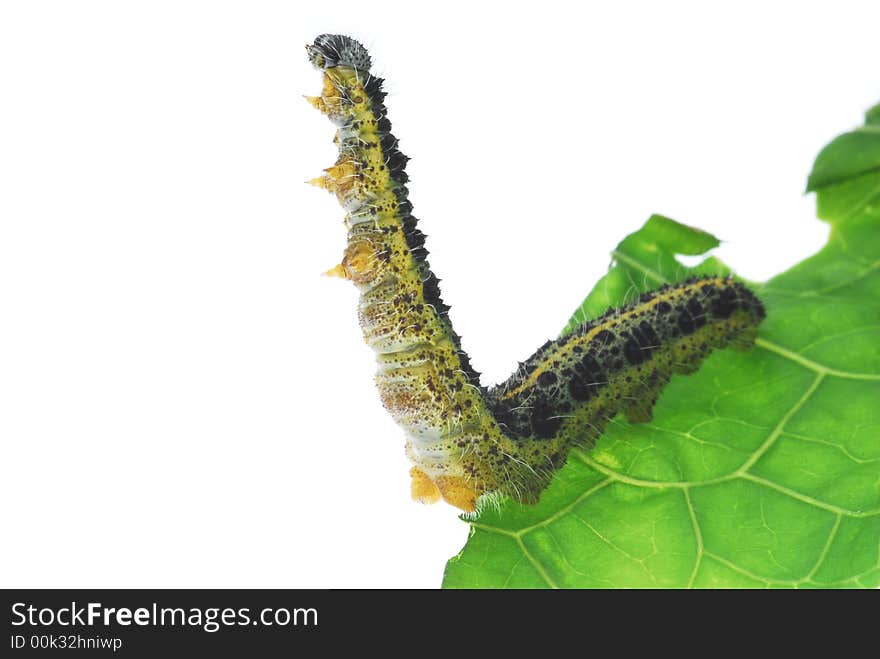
point(469, 443)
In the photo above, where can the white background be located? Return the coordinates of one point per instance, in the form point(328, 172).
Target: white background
point(185, 402)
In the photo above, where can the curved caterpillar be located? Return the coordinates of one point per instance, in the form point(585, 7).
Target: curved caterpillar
point(469, 443)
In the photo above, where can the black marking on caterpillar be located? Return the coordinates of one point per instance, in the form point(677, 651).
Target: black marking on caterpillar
point(468, 444)
point(630, 353)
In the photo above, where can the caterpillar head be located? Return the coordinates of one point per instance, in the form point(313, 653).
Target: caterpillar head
point(331, 50)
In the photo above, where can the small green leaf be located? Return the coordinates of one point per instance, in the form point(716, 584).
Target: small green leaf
point(760, 470)
point(849, 155)
point(656, 243)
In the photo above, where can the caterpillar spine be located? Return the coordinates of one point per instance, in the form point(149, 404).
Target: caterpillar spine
point(468, 443)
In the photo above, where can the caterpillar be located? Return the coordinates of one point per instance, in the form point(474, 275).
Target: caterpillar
point(470, 444)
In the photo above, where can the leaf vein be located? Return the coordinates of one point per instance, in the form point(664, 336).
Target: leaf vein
point(698, 536)
point(800, 496)
point(810, 364)
point(539, 568)
point(821, 559)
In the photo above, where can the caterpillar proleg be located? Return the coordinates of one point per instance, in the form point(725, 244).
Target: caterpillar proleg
point(469, 443)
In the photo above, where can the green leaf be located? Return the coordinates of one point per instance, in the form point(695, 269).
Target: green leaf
point(849, 156)
point(872, 116)
point(760, 470)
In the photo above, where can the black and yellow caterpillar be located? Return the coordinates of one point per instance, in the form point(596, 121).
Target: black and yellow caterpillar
point(468, 443)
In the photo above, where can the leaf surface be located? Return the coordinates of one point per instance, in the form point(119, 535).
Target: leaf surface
point(760, 470)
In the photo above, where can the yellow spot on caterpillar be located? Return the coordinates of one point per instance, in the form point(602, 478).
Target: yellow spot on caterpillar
point(423, 488)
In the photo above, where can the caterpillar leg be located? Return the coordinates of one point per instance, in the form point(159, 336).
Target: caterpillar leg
point(423, 488)
point(639, 410)
point(456, 491)
point(745, 340)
